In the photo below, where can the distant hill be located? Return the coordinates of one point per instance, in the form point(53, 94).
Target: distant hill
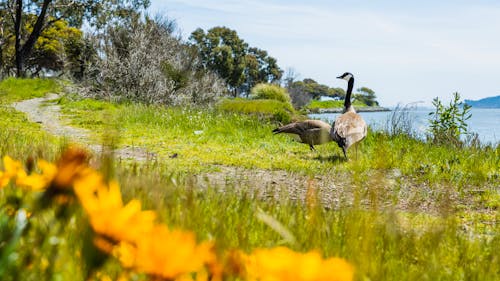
point(491, 102)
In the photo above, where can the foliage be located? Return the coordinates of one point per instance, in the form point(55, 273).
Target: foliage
point(271, 92)
point(242, 67)
point(310, 87)
point(260, 68)
point(448, 123)
point(58, 46)
point(302, 92)
point(145, 62)
point(366, 96)
point(277, 110)
point(48, 12)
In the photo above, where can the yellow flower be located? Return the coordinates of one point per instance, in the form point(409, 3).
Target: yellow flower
point(107, 215)
point(71, 165)
point(282, 263)
point(166, 253)
point(38, 181)
point(11, 169)
point(61, 175)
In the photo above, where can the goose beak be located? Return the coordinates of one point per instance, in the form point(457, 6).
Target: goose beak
point(339, 77)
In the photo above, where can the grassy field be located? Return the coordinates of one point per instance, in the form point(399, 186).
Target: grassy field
point(404, 209)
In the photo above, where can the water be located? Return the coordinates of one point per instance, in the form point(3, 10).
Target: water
point(484, 121)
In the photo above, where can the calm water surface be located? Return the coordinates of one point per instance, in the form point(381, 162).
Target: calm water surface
point(484, 121)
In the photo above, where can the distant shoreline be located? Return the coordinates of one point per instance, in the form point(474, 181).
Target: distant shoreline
point(340, 109)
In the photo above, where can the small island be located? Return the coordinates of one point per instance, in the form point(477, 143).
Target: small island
point(490, 102)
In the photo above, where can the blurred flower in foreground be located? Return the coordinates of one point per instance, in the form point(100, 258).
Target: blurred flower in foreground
point(166, 253)
point(11, 169)
point(38, 181)
point(72, 165)
point(282, 263)
point(107, 214)
point(58, 177)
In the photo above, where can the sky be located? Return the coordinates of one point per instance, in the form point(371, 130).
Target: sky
point(406, 51)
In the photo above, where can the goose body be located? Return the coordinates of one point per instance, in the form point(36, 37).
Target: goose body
point(348, 128)
point(311, 132)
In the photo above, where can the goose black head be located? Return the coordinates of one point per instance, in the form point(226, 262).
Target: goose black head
point(346, 76)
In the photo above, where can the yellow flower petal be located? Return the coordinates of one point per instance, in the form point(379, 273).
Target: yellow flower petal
point(282, 263)
point(11, 170)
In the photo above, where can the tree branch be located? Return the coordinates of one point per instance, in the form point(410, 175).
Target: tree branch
point(37, 30)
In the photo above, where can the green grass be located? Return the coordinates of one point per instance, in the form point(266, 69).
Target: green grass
point(316, 104)
point(267, 108)
point(19, 137)
point(14, 89)
point(408, 210)
point(204, 137)
point(386, 245)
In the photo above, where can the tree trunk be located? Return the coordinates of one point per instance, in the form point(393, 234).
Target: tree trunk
point(2, 41)
point(2, 66)
point(23, 52)
point(17, 31)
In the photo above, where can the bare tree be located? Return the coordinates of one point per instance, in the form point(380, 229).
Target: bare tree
point(146, 62)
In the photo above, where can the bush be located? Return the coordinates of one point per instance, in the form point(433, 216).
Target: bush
point(276, 110)
point(145, 62)
point(447, 123)
point(270, 92)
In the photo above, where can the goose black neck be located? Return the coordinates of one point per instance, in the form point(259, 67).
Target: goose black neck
point(347, 101)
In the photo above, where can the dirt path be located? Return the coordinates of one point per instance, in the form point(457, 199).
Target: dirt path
point(48, 114)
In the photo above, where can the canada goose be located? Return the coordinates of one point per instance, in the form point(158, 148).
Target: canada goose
point(348, 128)
point(310, 132)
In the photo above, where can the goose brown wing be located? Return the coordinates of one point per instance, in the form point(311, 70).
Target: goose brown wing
point(349, 128)
point(302, 127)
point(317, 124)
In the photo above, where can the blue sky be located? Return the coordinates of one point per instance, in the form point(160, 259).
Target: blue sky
point(407, 51)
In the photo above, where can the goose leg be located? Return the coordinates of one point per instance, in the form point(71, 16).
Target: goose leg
point(345, 152)
point(312, 147)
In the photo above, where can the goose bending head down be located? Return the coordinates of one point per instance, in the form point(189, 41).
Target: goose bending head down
point(348, 128)
point(310, 132)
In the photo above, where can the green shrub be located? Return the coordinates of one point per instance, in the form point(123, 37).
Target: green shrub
point(447, 123)
point(270, 92)
point(277, 110)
